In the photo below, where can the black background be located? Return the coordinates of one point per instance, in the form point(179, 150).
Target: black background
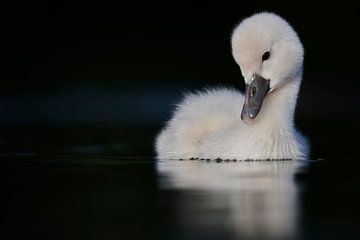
point(90, 72)
point(86, 86)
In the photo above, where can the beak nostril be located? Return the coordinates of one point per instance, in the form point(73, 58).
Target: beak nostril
point(253, 91)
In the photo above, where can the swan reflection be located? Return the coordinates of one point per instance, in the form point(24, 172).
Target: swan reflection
point(239, 200)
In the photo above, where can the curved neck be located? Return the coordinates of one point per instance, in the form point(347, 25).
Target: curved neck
point(279, 106)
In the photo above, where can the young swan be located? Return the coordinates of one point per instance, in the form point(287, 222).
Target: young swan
point(211, 124)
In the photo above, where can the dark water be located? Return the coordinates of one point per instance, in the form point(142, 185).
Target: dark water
point(61, 189)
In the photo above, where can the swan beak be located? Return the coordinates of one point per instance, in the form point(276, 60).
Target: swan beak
point(255, 92)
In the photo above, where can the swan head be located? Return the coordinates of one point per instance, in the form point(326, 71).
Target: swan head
point(269, 53)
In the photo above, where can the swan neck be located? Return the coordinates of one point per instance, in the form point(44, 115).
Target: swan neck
point(280, 105)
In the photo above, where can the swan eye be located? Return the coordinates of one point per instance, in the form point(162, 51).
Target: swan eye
point(266, 56)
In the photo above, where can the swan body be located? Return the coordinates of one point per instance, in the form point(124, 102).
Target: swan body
point(224, 123)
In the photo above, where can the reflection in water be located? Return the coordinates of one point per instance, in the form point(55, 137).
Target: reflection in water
point(239, 200)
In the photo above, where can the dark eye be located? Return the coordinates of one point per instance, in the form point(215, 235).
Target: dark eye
point(266, 56)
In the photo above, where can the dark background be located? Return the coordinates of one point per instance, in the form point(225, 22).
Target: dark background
point(102, 77)
point(86, 86)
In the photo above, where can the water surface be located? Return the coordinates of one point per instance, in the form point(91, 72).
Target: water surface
point(108, 197)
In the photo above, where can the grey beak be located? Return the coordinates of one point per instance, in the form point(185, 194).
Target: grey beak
point(255, 93)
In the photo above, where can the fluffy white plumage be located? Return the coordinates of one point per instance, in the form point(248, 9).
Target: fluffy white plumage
point(208, 124)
